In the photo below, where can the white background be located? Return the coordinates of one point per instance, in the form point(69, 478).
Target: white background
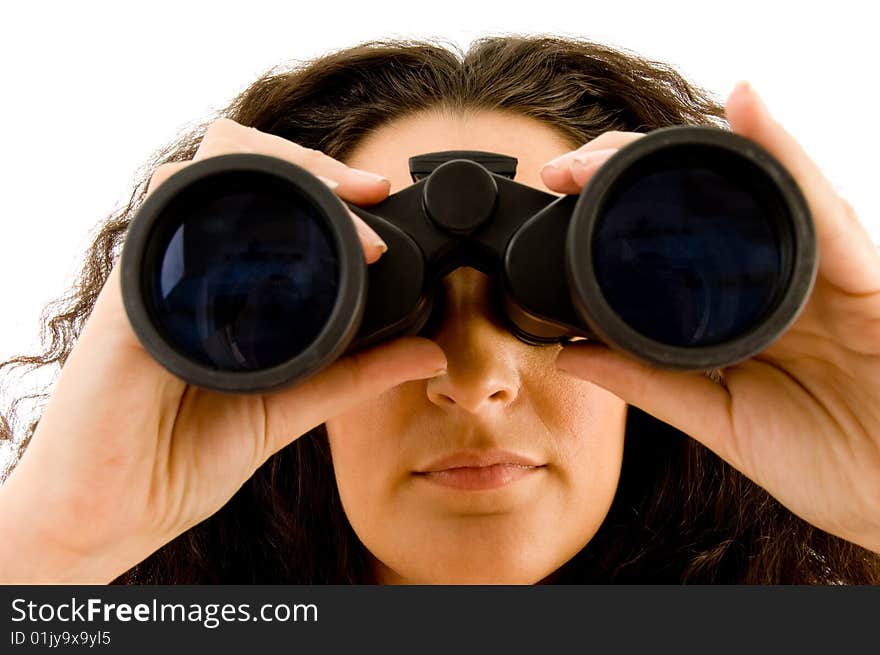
point(90, 90)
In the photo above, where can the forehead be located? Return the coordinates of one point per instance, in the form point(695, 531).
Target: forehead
point(387, 149)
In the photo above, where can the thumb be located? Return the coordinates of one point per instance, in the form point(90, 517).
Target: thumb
point(349, 381)
point(848, 256)
point(686, 400)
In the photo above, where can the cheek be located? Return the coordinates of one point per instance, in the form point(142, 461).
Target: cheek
point(589, 428)
point(588, 425)
point(365, 445)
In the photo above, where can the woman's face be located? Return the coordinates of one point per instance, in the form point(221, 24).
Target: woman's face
point(498, 394)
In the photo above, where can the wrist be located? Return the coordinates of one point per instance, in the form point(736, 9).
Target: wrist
point(32, 554)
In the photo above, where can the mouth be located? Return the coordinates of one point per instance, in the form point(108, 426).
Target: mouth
point(476, 470)
point(476, 478)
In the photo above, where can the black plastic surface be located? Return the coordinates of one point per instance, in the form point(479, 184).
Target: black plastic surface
point(538, 248)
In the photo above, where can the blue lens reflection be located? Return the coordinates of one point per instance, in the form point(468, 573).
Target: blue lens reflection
point(688, 255)
point(246, 275)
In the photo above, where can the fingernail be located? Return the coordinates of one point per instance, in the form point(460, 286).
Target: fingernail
point(585, 159)
point(368, 234)
point(555, 164)
point(746, 87)
point(439, 372)
point(367, 176)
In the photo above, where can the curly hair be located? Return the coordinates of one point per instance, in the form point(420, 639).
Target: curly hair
point(680, 513)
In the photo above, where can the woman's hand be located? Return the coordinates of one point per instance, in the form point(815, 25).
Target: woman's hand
point(801, 418)
point(127, 456)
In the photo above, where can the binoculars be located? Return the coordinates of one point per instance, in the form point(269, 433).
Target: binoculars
point(691, 248)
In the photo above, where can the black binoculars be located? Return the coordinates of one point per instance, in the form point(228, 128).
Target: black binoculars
point(691, 248)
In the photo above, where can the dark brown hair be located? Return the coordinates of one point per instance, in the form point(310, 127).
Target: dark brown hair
point(680, 514)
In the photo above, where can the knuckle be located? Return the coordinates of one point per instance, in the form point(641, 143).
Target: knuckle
point(353, 372)
point(606, 136)
point(162, 172)
point(225, 126)
point(613, 138)
point(310, 156)
point(223, 130)
point(219, 145)
point(356, 375)
point(167, 169)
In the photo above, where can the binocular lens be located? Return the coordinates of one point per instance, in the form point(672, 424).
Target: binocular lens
point(689, 248)
point(242, 273)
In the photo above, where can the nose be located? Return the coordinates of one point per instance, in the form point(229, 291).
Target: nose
point(483, 357)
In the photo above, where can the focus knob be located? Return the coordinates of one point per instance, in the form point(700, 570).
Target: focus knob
point(459, 196)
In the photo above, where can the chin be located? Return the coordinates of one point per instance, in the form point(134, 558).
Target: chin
point(493, 569)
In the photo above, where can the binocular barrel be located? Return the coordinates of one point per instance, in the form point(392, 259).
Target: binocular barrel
point(691, 248)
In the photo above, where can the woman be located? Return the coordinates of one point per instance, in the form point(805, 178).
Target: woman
point(629, 474)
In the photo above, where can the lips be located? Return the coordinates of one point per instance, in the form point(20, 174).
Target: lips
point(477, 470)
point(479, 459)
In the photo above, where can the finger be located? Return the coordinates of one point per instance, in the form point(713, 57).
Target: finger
point(847, 256)
point(372, 244)
point(351, 380)
point(570, 172)
point(360, 187)
point(687, 400)
point(163, 172)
